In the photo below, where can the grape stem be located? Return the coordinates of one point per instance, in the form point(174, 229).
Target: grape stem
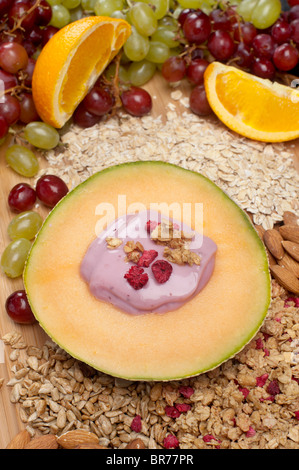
point(14, 90)
point(18, 22)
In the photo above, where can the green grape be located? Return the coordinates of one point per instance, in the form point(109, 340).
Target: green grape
point(122, 73)
point(136, 46)
point(158, 52)
point(141, 72)
point(60, 16)
point(106, 7)
point(88, 5)
point(143, 18)
point(76, 13)
point(25, 225)
point(246, 8)
point(160, 7)
point(167, 35)
point(70, 4)
point(266, 13)
point(168, 21)
point(118, 14)
point(190, 3)
point(22, 160)
point(41, 135)
point(54, 2)
point(14, 257)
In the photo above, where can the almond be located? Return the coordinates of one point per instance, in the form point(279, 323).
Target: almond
point(20, 440)
point(291, 248)
point(289, 218)
point(136, 444)
point(48, 441)
point(288, 262)
point(77, 437)
point(290, 232)
point(285, 278)
point(272, 239)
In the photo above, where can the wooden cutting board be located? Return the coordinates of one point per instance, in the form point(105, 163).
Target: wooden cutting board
point(10, 423)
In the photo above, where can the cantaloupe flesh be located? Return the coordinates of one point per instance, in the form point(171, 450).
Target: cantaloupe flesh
point(197, 337)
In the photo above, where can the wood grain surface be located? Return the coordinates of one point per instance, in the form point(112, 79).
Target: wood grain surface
point(10, 423)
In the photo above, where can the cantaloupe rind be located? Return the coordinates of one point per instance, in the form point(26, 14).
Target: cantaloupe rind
point(150, 347)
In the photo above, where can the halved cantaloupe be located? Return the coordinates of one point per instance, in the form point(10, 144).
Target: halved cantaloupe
point(207, 330)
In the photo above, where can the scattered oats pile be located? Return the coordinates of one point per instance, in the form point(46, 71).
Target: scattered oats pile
point(251, 401)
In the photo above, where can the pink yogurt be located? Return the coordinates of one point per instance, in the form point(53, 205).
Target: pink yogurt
point(103, 269)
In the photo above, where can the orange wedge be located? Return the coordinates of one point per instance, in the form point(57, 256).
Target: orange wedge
point(251, 106)
point(70, 63)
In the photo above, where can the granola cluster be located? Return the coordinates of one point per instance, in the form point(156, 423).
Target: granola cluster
point(249, 402)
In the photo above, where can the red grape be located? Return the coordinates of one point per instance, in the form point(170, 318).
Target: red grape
point(5, 6)
point(29, 47)
point(84, 118)
point(13, 57)
point(294, 25)
point(21, 198)
point(10, 109)
point(136, 101)
point(35, 35)
point(48, 32)
point(281, 31)
point(195, 71)
point(198, 101)
point(28, 110)
point(28, 71)
point(245, 32)
point(50, 189)
point(220, 20)
point(18, 308)
point(197, 27)
point(293, 2)
point(183, 15)
point(285, 57)
point(221, 45)
point(293, 13)
point(44, 13)
point(8, 79)
point(243, 55)
point(20, 10)
point(16, 36)
point(3, 127)
point(263, 45)
point(174, 69)
point(98, 101)
point(262, 67)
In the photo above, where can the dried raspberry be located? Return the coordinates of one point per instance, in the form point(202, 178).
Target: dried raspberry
point(261, 380)
point(183, 407)
point(295, 300)
point(162, 271)
point(187, 392)
point(273, 388)
point(136, 424)
point(251, 432)
point(296, 414)
point(151, 225)
point(136, 277)
point(147, 258)
point(209, 438)
point(172, 412)
point(259, 343)
point(245, 391)
point(171, 442)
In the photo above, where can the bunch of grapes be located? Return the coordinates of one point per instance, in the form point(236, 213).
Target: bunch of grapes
point(225, 36)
